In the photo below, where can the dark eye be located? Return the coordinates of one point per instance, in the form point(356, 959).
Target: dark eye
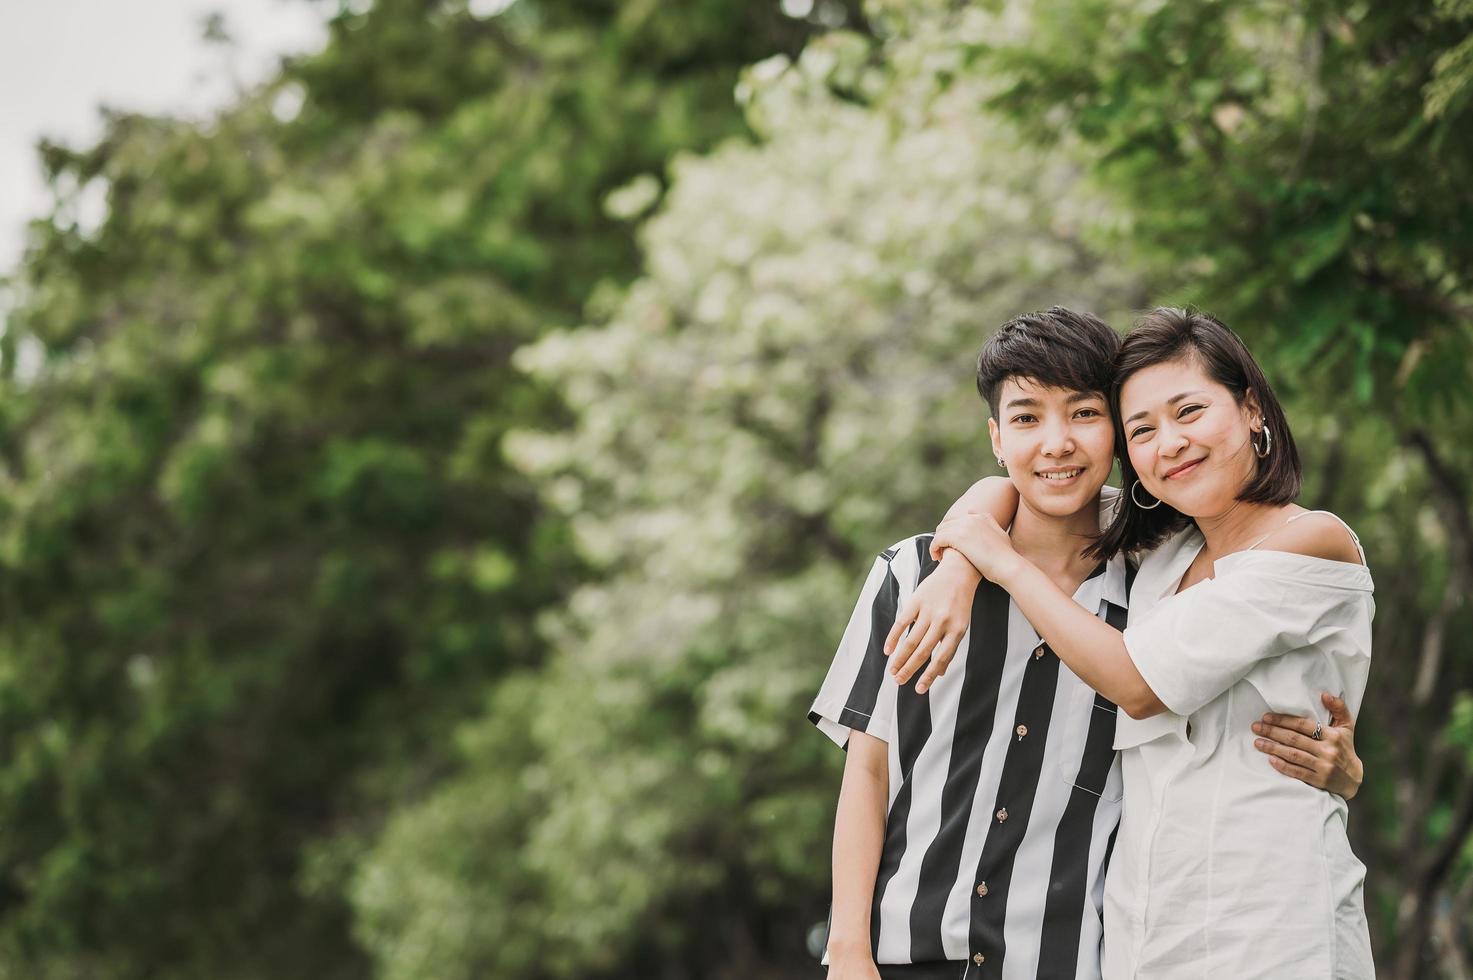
point(1188, 410)
point(1023, 419)
point(1088, 413)
point(1144, 428)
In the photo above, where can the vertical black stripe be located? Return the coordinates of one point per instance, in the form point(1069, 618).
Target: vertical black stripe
point(977, 707)
point(913, 728)
point(1105, 866)
point(925, 564)
point(865, 691)
point(1069, 876)
point(1022, 769)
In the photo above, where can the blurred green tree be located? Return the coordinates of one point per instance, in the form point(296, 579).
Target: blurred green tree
point(260, 547)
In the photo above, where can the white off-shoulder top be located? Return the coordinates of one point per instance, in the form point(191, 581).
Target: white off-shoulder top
point(1224, 867)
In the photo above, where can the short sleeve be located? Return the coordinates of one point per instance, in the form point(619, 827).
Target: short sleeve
point(1194, 646)
point(850, 698)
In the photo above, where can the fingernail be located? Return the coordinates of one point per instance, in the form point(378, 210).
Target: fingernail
point(1258, 727)
point(920, 689)
point(1260, 743)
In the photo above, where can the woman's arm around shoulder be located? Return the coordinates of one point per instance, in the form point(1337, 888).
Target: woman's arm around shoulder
point(993, 495)
point(934, 618)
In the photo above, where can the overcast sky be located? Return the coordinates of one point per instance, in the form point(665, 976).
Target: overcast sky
point(62, 59)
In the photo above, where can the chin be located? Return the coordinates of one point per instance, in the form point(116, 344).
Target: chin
point(1196, 504)
point(1061, 505)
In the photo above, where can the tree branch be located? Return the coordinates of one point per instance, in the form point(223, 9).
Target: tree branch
point(1453, 496)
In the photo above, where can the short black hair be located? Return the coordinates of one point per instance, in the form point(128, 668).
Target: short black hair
point(1166, 334)
point(1057, 348)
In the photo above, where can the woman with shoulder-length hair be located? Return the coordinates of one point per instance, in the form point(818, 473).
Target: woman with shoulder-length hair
point(1244, 603)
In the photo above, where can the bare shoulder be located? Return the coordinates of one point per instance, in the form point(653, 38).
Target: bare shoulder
point(1318, 534)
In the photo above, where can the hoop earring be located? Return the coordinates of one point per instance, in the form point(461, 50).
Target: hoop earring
point(1268, 444)
point(1135, 486)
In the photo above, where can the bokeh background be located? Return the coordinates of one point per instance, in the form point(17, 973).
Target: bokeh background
point(433, 480)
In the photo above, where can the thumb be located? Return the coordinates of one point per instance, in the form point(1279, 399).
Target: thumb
point(940, 541)
point(1340, 716)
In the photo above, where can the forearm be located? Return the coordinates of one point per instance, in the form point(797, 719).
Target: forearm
point(1088, 645)
point(993, 495)
point(859, 837)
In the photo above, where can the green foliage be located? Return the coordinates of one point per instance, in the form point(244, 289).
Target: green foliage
point(1285, 164)
point(261, 550)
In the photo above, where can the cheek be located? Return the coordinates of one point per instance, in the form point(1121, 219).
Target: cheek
point(1141, 458)
point(1099, 441)
point(1223, 429)
point(1020, 448)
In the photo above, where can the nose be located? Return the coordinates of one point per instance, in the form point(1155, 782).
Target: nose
point(1171, 441)
point(1058, 440)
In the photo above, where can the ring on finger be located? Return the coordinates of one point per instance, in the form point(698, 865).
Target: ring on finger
point(1319, 732)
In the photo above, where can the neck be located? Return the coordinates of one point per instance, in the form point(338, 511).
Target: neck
point(1236, 527)
point(1055, 544)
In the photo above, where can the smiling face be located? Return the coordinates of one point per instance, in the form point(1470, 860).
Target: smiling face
point(1058, 444)
point(1189, 439)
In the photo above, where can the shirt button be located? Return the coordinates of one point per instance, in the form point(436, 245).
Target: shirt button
point(1021, 730)
point(979, 959)
point(982, 890)
point(1038, 651)
point(1002, 814)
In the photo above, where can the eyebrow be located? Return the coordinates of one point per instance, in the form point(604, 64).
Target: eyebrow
point(1170, 401)
point(1074, 399)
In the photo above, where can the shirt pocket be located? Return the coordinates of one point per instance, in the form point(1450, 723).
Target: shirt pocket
point(1087, 758)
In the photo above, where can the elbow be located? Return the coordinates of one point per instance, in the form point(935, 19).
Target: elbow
point(1142, 704)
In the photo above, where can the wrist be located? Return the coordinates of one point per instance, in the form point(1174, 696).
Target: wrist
point(845, 950)
point(1357, 776)
point(953, 559)
point(1008, 568)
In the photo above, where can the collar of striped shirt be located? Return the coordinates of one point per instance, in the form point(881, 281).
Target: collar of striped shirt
point(1004, 786)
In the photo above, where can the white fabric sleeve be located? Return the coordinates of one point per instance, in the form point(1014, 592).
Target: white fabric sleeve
point(850, 697)
point(1195, 645)
point(1110, 501)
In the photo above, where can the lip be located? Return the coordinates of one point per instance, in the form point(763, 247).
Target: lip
point(1183, 469)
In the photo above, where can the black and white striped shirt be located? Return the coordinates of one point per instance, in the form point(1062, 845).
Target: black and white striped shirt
point(1004, 788)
